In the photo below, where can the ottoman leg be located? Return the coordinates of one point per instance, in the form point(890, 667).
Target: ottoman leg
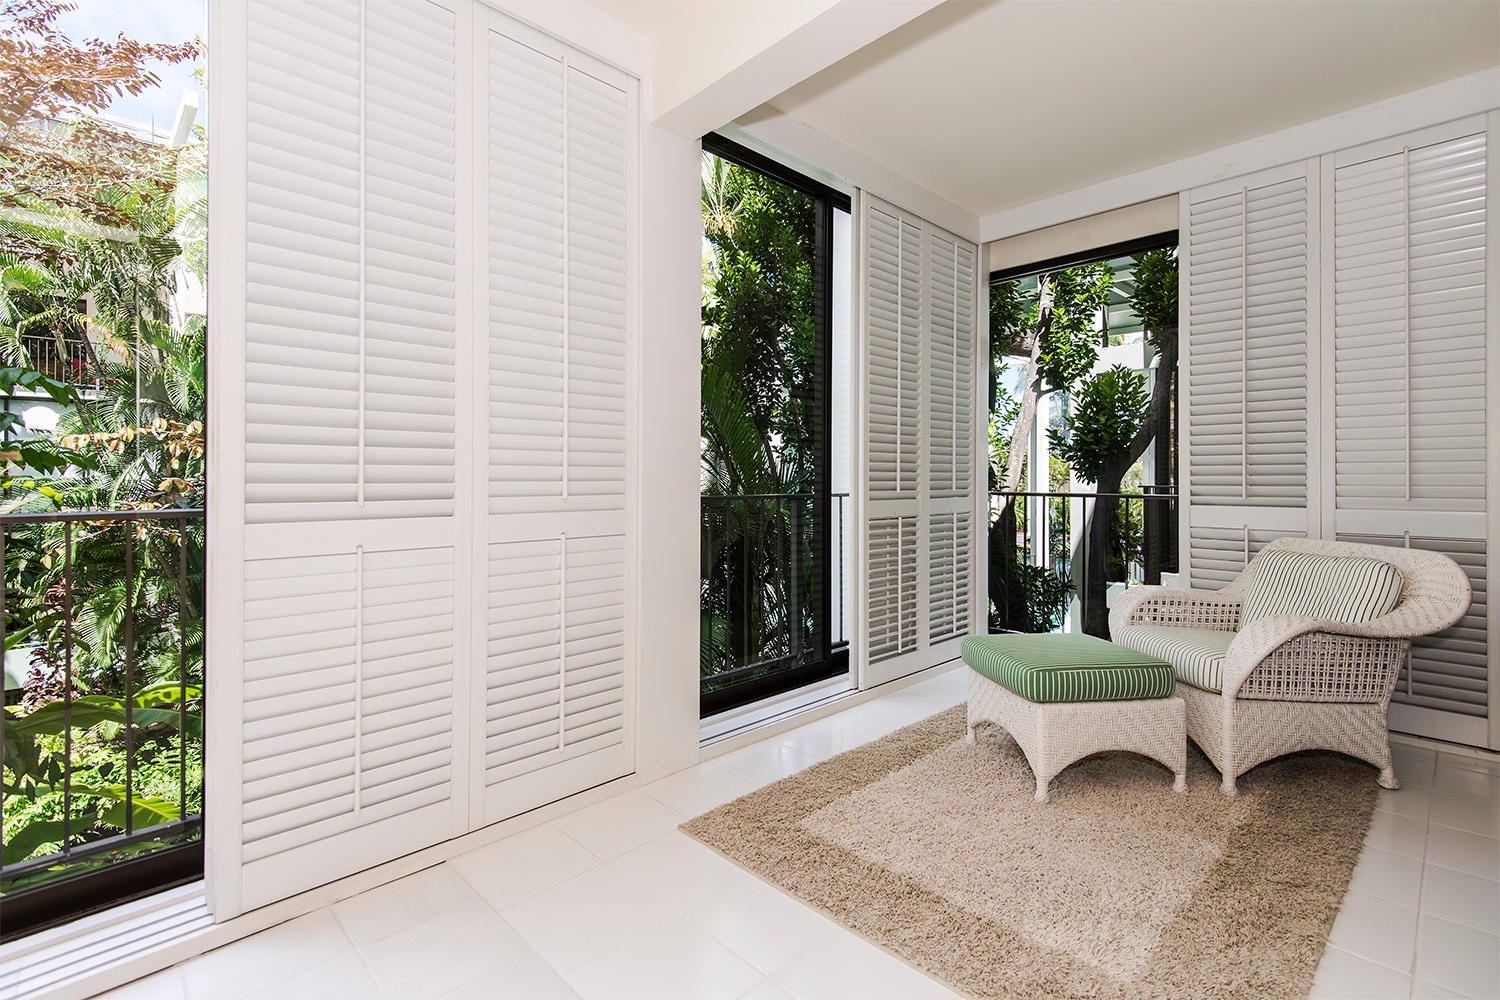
point(1180, 785)
point(1041, 788)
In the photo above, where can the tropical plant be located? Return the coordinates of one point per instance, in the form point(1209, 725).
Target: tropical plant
point(100, 231)
point(758, 418)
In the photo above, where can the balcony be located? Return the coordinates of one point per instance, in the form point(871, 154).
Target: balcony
point(774, 611)
point(1042, 576)
point(103, 709)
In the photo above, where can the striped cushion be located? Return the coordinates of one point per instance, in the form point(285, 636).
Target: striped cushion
point(1336, 588)
point(1054, 668)
point(1196, 654)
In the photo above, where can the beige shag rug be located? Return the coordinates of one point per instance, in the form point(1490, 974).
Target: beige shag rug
point(1118, 887)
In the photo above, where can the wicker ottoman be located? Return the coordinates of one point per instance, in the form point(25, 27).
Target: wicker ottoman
point(1064, 697)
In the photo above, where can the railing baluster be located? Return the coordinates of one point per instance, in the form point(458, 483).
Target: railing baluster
point(67, 686)
point(182, 734)
point(129, 677)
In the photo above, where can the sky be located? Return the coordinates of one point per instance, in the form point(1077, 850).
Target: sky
point(145, 21)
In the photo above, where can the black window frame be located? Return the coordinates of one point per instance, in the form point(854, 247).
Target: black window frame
point(833, 661)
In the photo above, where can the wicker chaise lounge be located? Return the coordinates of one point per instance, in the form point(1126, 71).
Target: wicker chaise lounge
point(1301, 651)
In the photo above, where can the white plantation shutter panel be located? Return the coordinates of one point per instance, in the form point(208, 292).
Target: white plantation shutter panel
point(1409, 328)
point(950, 435)
point(920, 479)
point(1247, 343)
point(950, 347)
point(556, 653)
point(559, 144)
point(950, 575)
point(895, 479)
point(1276, 326)
point(1448, 672)
point(1411, 379)
point(894, 347)
point(348, 704)
point(1215, 347)
point(527, 272)
point(892, 587)
point(1249, 259)
point(598, 150)
point(1218, 554)
point(351, 260)
point(345, 707)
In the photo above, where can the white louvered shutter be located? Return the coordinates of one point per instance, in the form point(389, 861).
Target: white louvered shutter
point(920, 478)
point(1447, 673)
point(351, 261)
point(1410, 375)
point(893, 471)
point(951, 482)
point(347, 722)
point(1219, 554)
point(560, 156)
point(1409, 327)
point(1249, 259)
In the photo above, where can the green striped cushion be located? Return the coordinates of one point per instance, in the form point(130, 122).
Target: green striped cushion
point(1196, 654)
point(1054, 668)
point(1337, 588)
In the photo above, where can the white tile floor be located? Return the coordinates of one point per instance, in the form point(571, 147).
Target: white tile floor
point(612, 902)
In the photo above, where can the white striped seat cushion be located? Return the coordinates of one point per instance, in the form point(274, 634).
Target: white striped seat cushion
point(1335, 588)
point(1196, 654)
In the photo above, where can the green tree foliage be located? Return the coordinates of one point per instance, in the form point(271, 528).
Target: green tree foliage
point(1114, 419)
point(1107, 413)
point(1053, 327)
point(102, 232)
point(758, 333)
point(758, 418)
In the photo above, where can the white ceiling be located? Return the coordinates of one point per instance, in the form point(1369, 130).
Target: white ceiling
point(998, 104)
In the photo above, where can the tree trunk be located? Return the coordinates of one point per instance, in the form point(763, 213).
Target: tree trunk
point(1031, 391)
point(1095, 588)
point(1004, 581)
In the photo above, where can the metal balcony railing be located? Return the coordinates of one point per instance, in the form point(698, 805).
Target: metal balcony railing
point(66, 358)
point(1040, 553)
point(102, 619)
point(761, 595)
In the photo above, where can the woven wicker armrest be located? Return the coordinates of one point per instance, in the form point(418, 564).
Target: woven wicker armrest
point(1182, 608)
point(1295, 658)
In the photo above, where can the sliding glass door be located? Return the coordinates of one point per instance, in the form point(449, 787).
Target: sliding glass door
point(772, 607)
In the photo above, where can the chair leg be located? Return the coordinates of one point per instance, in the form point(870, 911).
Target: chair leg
point(1227, 786)
point(1387, 778)
point(1041, 788)
point(1180, 782)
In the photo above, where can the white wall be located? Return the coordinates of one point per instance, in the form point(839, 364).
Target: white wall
point(668, 450)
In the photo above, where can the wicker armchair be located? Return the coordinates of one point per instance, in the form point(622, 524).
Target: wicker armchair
point(1293, 683)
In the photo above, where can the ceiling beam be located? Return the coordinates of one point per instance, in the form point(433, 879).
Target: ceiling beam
point(718, 61)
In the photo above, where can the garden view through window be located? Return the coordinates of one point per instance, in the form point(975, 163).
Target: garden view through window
point(1083, 459)
point(777, 581)
point(103, 380)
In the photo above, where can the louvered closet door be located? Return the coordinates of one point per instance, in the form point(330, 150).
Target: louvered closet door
point(919, 474)
point(552, 702)
point(347, 755)
point(1249, 259)
point(1410, 380)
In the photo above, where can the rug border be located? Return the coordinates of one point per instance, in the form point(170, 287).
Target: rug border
point(859, 895)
